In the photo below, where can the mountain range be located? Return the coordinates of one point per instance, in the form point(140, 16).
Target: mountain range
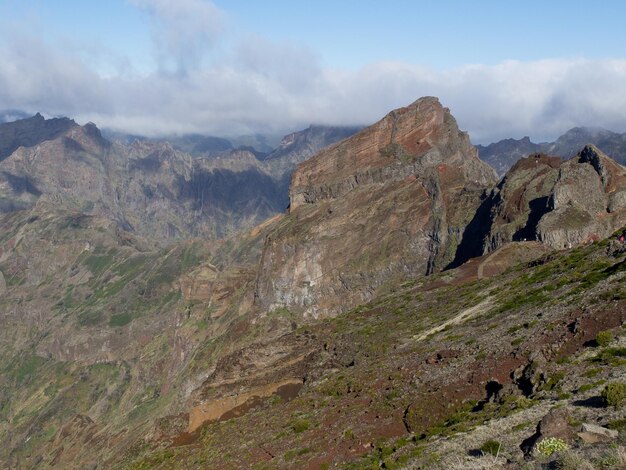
point(502, 155)
point(398, 305)
point(149, 187)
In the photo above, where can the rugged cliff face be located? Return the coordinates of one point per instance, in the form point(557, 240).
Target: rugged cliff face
point(147, 188)
point(559, 203)
point(392, 200)
point(116, 353)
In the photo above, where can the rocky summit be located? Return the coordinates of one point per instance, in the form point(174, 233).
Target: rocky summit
point(392, 200)
point(407, 310)
point(559, 203)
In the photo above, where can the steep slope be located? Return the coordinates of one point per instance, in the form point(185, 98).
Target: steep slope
point(392, 200)
point(29, 132)
point(102, 333)
point(117, 353)
point(149, 188)
point(559, 203)
point(425, 374)
point(502, 155)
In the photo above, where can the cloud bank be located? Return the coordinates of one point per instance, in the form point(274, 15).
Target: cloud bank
point(264, 86)
point(184, 31)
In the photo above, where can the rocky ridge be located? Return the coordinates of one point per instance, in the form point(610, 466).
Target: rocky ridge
point(559, 203)
point(502, 155)
point(118, 353)
point(391, 200)
point(30, 131)
point(146, 187)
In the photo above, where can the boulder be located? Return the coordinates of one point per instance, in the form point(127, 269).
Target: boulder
point(592, 433)
point(554, 424)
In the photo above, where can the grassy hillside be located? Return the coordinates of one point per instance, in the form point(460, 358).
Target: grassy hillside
point(426, 374)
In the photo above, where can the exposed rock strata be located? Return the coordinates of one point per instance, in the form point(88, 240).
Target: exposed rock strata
point(392, 200)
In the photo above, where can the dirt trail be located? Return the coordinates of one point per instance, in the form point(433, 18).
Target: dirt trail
point(461, 317)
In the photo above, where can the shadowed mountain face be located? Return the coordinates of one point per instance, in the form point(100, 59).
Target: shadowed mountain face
point(148, 187)
point(560, 203)
point(502, 155)
point(30, 132)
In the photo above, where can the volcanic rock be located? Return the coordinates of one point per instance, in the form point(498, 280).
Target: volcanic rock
point(559, 203)
point(392, 200)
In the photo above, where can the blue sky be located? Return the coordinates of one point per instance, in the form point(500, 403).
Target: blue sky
point(225, 67)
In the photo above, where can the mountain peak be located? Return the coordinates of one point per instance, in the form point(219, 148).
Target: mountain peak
point(31, 131)
point(423, 134)
point(404, 186)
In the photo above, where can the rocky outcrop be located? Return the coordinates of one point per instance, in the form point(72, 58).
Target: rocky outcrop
point(504, 154)
point(559, 203)
point(553, 425)
point(392, 200)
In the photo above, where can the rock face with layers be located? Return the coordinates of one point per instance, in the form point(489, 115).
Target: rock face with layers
point(392, 200)
point(559, 203)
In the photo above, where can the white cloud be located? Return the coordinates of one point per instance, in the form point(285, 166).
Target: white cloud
point(184, 31)
point(265, 86)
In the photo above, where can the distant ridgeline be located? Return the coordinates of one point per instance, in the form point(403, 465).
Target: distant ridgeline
point(195, 186)
point(502, 155)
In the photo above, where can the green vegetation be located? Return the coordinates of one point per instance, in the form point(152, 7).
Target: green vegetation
point(618, 425)
point(120, 319)
point(591, 372)
point(491, 447)
point(552, 382)
point(28, 367)
point(614, 394)
point(98, 263)
point(604, 338)
point(586, 387)
point(300, 425)
point(291, 454)
point(611, 356)
point(551, 445)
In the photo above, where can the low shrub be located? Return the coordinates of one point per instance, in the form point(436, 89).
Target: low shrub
point(300, 425)
point(551, 445)
point(604, 338)
point(614, 394)
point(491, 447)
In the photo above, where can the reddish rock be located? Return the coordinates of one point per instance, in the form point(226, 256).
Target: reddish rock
point(392, 200)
